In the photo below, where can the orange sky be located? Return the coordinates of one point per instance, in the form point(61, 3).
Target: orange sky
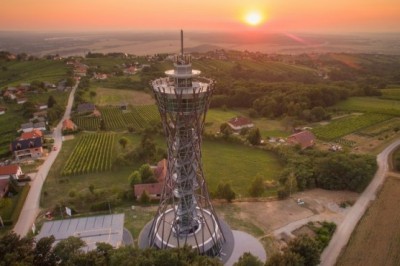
point(280, 15)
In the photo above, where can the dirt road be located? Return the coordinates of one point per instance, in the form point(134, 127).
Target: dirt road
point(344, 230)
point(31, 206)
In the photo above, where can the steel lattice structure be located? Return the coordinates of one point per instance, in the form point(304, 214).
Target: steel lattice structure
point(185, 215)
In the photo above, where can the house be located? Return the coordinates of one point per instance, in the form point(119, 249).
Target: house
point(2, 110)
point(11, 170)
point(239, 122)
point(42, 106)
point(130, 70)
point(30, 126)
point(100, 76)
point(9, 95)
point(86, 108)
point(22, 100)
point(68, 125)
point(27, 148)
point(304, 138)
point(154, 190)
point(30, 135)
point(4, 186)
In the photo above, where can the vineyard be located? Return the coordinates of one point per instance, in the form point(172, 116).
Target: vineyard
point(381, 128)
point(347, 125)
point(137, 118)
point(93, 153)
point(370, 105)
point(87, 123)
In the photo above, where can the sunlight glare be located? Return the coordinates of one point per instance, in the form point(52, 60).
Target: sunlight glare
point(253, 18)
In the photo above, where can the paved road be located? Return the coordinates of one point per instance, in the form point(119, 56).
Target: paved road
point(31, 205)
point(344, 230)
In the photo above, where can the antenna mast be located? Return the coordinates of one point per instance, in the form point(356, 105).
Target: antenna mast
point(182, 43)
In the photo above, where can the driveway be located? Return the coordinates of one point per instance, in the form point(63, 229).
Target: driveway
point(344, 229)
point(31, 206)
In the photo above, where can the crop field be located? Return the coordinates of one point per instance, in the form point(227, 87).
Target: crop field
point(370, 105)
point(380, 128)
point(93, 153)
point(375, 240)
point(113, 118)
point(28, 71)
point(391, 94)
point(87, 123)
point(344, 126)
point(137, 118)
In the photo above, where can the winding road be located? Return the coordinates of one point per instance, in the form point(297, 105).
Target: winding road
point(31, 206)
point(344, 229)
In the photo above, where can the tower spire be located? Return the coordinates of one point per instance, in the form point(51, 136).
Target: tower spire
point(182, 43)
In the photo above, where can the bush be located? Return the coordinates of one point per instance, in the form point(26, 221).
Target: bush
point(101, 206)
point(283, 194)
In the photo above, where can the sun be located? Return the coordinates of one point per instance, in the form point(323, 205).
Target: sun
point(253, 18)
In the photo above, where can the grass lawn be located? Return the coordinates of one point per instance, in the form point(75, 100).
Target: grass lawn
point(116, 97)
point(370, 104)
point(237, 164)
point(9, 124)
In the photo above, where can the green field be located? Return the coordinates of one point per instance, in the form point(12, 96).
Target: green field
point(344, 126)
point(391, 94)
point(380, 128)
point(106, 96)
point(238, 164)
point(27, 71)
point(370, 105)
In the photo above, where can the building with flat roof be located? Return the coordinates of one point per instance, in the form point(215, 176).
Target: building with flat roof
point(96, 229)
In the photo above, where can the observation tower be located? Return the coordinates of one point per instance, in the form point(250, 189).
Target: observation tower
point(185, 215)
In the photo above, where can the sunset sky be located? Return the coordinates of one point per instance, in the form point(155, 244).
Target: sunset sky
point(278, 15)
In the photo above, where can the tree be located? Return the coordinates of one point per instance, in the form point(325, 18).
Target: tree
point(15, 249)
point(225, 129)
point(147, 174)
point(254, 136)
point(43, 253)
point(51, 101)
point(134, 178)
point(102, 125)
point(286, 258)
point(123, 141)
point(92, 94)
point(224, 191)
point(257, 187)
point(248, 259)
point(306, 248)
point(144, 198)
point(66, 249)
point(28, 108)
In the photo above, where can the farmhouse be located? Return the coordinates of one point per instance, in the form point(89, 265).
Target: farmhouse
point(86, 108)
point(12, 170)
point(2, 110)
point(42, 106)
point(27, 148)
point(68, 125)
point(239, 122)
point(154, 190)
point(105, 228)
point(304, 138)
point(100, 76)
point(30, 135)
point(130, 70)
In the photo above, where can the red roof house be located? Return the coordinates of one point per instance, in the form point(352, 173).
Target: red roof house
point(69, 125)
point(304, 138)
point(13, 170)
point(239, 122)
point(30, 135)
point(154, 190)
